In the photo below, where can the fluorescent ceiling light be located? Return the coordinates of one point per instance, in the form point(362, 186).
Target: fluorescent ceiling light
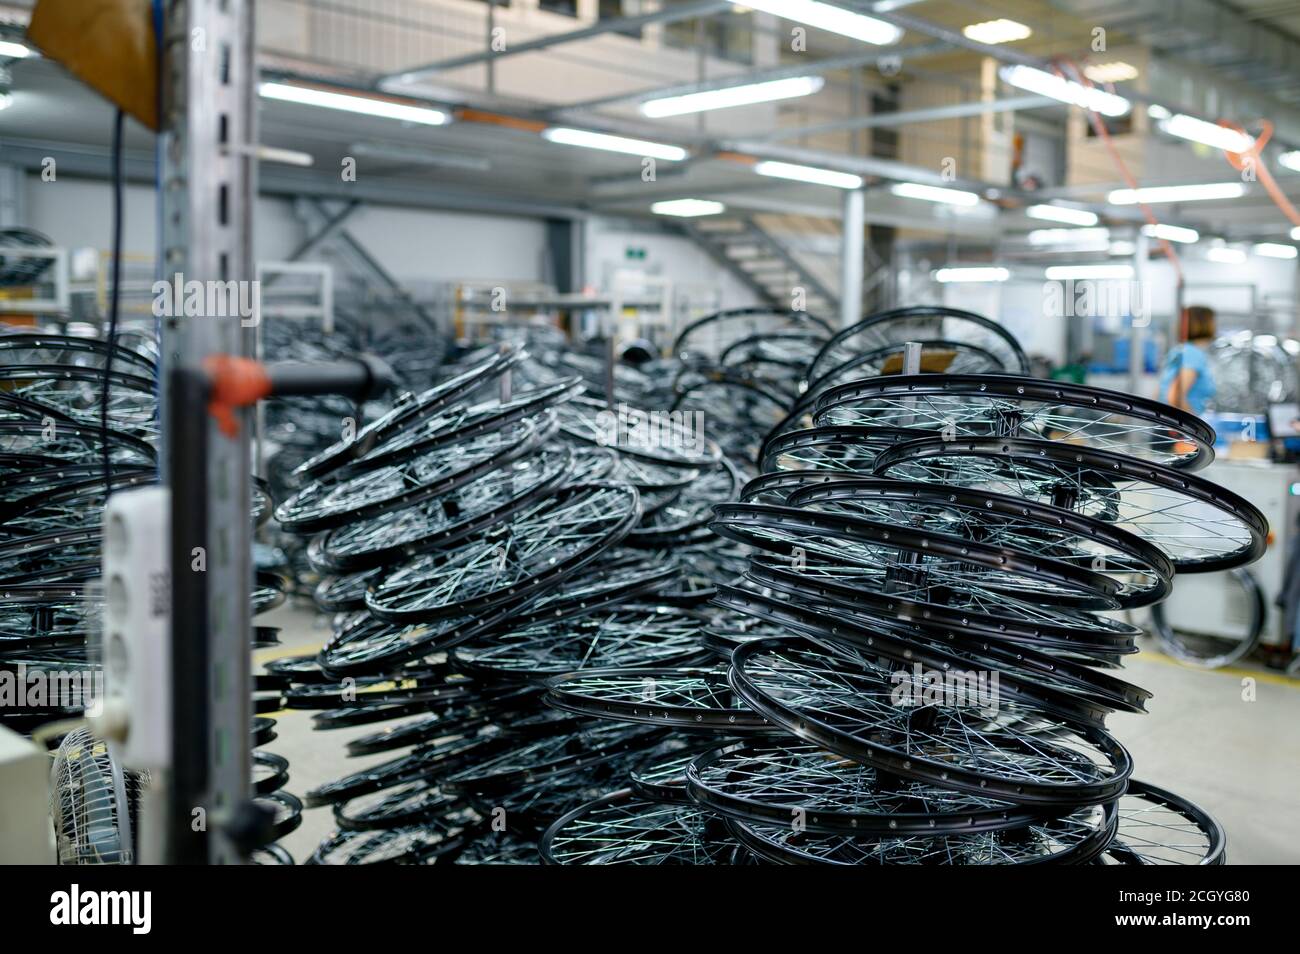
point(288, 157)
point(687, 208)
point(833, 19)
point(786, 170)
point(1067, 91)
point(594, 140)
point(1206, 133)
point(1295, 233)
point(1290, 160)
point(1156, 111)
point(366, 105)
point(1069, 236)
point(973, 274)
point(1115, 72)
point(1226, 256)
point(6, 100)
point(1122, 247)
point(1061, 213)
point(731, 96)
point(1274, 250)
point(1171, 233)
point(1184, 193)
point(1065, 272)
point(13, 51)
point(996, 31)
point(914, 190)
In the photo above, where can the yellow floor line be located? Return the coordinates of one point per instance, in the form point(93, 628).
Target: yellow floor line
point(269, 654)
point(1260, 675)
point(282, 652)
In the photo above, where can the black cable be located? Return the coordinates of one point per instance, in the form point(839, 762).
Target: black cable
point(115, 297)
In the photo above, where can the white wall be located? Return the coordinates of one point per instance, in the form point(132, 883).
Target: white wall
point(414, 245)
point(411, 244)
point(451, 245)
point(676, 257)
point(79, 212)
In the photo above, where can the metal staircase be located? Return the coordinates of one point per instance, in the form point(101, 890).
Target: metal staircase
point(775, 254)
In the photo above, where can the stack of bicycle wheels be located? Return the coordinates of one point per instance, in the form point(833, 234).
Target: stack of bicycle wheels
point(920, 661)
point(57, 462)
point(55, 465)
point(473, 543)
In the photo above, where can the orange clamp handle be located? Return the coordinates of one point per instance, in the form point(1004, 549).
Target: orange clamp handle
point(235, 382)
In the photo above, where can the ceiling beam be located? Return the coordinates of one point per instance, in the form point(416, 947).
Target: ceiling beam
point(810, 68)
point(911, 117)
point(688, 11)
point(94, 162)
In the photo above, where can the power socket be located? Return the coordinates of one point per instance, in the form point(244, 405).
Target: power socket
point(136, 635)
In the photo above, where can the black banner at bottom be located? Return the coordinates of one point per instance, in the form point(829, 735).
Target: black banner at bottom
point(353, 906)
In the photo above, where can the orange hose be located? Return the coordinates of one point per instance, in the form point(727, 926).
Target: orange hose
point(1239, 161)
point(1099, 127)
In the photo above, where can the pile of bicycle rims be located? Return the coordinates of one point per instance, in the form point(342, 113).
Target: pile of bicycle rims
point(488, 534)
point(56, 465)
point(918, 664)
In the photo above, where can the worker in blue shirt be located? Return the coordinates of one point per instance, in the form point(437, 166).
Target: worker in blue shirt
point(1187, 380)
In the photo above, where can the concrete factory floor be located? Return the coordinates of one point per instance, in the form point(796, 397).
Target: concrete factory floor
point(1238, 759)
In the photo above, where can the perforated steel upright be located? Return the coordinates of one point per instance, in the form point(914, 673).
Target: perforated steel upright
point(208, 186)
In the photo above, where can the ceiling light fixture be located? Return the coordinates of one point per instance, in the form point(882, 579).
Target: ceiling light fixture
point(786, 170)
point(350, 103)
point(1115, 72)
point(1061, 213)
point(587, 139)
point(1067, 272)
point(997, 31)
point(1226, 256)
point(13, 51)
point(687, 208)
point(1042, 237)
point(1290, 160)
point(1183, 193)
point(1067, 91)
point(828, 17)
point(1274, 250)
point(1206, 133)
point(914, 190)
point(729, 97)
point(1171, 233)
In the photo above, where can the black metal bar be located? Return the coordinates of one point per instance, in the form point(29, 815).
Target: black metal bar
point(362, 378)
point(188, 479)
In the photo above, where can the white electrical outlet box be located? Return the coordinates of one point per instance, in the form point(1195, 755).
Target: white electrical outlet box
point(136, 635)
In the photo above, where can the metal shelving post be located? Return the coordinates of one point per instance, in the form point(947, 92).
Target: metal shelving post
point(208, 186)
